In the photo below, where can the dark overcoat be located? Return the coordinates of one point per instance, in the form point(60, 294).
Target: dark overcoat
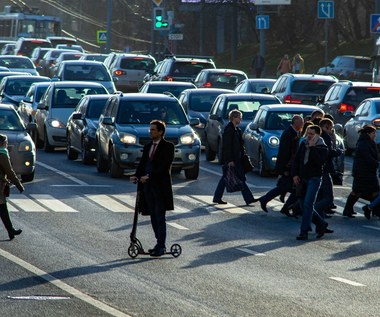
point(364, 168)
point(159, 175)
point(232, 145)
point(289, 142)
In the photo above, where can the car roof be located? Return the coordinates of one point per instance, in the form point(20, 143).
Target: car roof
point(238, 96)
point(260, 80)
point(75, 84)
point(354, 56)
point(289, 107)
point(170, 83)
point(26, 77)
point(359, 83)
point(81, 62)
point(14, 57)
point(223, 70)
point(6, 106)
point(314, 76)
point(99, 96)
point(146, 96)
point(204, 91)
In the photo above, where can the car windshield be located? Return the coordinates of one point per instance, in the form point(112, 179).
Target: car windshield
point(191, 69)
point(261, 87)
point(229, 80)
point(19, 86)
point(202, 103)
point(95, 108)
point(39, 93)
point(311, 86)
point(144, 111)
point(21, 63)
point(9, 120)
point(138, 63)
point(278, 120)
point(247, 107)
point(86, 72)
point(175, 90)
point(68, 97)
point(356, 95)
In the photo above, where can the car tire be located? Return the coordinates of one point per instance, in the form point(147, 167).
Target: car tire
point(101, 164)
point(71, 154)
point(86, 156)
point(192, 173)
point(261, 165)
point(115, 170)
point(27, 177)
point(37, 141)
point(46, 145)
point(210, 154)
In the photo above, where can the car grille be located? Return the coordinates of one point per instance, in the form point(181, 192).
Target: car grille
point(144, 141)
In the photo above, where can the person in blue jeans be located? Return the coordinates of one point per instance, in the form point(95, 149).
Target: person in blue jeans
point(232, 155)
point(307, 171)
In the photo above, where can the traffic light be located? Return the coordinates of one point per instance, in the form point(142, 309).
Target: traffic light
point(159, 23)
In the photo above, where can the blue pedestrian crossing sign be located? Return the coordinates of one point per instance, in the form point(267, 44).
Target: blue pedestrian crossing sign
point(101, 36)
point(375, 23)
point(262, 22)
point(325, 9)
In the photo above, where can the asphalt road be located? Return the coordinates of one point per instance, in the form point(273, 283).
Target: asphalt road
point(72, 260)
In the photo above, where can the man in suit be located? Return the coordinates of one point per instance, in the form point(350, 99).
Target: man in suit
point(153, 173)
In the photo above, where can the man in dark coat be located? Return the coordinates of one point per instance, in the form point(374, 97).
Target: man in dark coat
point(287, 150)
point(153, 173)
point(258, 64)
point(232, 155)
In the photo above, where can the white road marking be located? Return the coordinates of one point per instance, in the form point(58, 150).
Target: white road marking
point(68, 176)
point(177, 226)
point(343, 280)
point(251, 251)
point(25, 203)
point(227, 208)
point(53, 204)
point(372, 227)
point(63, 286)
point(83, 185)
point(109, 203)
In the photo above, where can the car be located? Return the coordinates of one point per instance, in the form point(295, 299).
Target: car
point(4, 43)
point(368, 112)
point(14, 88)
point(79, 70)
point(248, 104)
point(63, 56)
point(159, 87)
point(55, 40)
point(48, 60)
point(124, 130)
point(28, 105)
point(94, 57)
point(55, 107)
point(5, 73)
point(358, 68)
point(8, 49)
point(24, 45)
point(21, 148)
point(81, 128)
point(130, 69)
point(255, 85)
point(219, 78)
point(346, 96)
point(38, 53)
point(197, 104)
point(21, 64)
point(262, 135)
point(71, 47)
point(302, 88)
point(182, 68)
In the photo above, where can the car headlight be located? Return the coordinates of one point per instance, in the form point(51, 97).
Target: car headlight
point(188, 138)
point(127, 138)
point(25, 146)
point(274, 141)
point(54, 123)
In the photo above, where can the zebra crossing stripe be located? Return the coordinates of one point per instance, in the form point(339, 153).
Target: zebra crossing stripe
point(54, 204)
point(20, 201)
point(109, 203)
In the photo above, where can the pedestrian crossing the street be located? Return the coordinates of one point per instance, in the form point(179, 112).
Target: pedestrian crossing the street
point(124, 203)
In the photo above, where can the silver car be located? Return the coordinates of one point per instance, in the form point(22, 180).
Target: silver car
point(20, 145)
point(368, 112)
point(19, 64)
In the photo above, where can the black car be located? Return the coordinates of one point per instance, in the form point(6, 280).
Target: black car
point(81, 127)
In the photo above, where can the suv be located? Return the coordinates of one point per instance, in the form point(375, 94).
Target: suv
point(349, 67)
point(130, 70)
point(302, 88)
point(124, 130)
point(181, 68)
point(345, 96)
point(219, 78)
point(25, 46)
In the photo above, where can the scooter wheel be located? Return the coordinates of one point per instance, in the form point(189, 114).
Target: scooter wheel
point(175, 250)
point(133, 251)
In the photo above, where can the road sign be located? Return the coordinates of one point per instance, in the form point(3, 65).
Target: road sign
point(272, 2)
point(176, 36)
point(262, 22)
point(375, 23)
point(101, 36)
point(325, 9)
point(157, 2)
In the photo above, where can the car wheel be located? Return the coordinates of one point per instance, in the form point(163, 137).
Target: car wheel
point(261, 166)
point(192, 173)
point(71, 154)
point(115, 170)
point(86, 156)
point(47, 147)
point(27, 177)
point(101, 164)
point(210, 154)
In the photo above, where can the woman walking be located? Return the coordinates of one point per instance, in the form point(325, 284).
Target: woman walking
point(7, 174)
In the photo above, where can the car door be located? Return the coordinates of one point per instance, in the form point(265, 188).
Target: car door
point(25, 106)
point(43, 112)
point(214, 127)
point(257, 136)
point(248, 135)
point(103, 129)
point(77, 125)
point(356, 123)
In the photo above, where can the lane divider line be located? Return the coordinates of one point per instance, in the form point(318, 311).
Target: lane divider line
point(251, 252)
point(68, 176)
point(349, 282)
point(177, 226)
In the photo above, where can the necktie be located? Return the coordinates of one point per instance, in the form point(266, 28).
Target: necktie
point(153, 150)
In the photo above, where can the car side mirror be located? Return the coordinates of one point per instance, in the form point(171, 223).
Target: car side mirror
point(77, 116)
point(107, 121)
point(42, 106)
point(194, 121)
point(27, 99)
point(214, 117)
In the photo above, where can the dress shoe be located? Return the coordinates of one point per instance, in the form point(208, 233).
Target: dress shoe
point(327, 230)
point(158, 252)
point(282, 198)
point(219, 201)
point(302, 236)
point(329, 211)
point(252, 201)
point(154, 248)
point(348, 215)
point(14, 233)
point(263, 206)
point(367, 211)
point(286, 212)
